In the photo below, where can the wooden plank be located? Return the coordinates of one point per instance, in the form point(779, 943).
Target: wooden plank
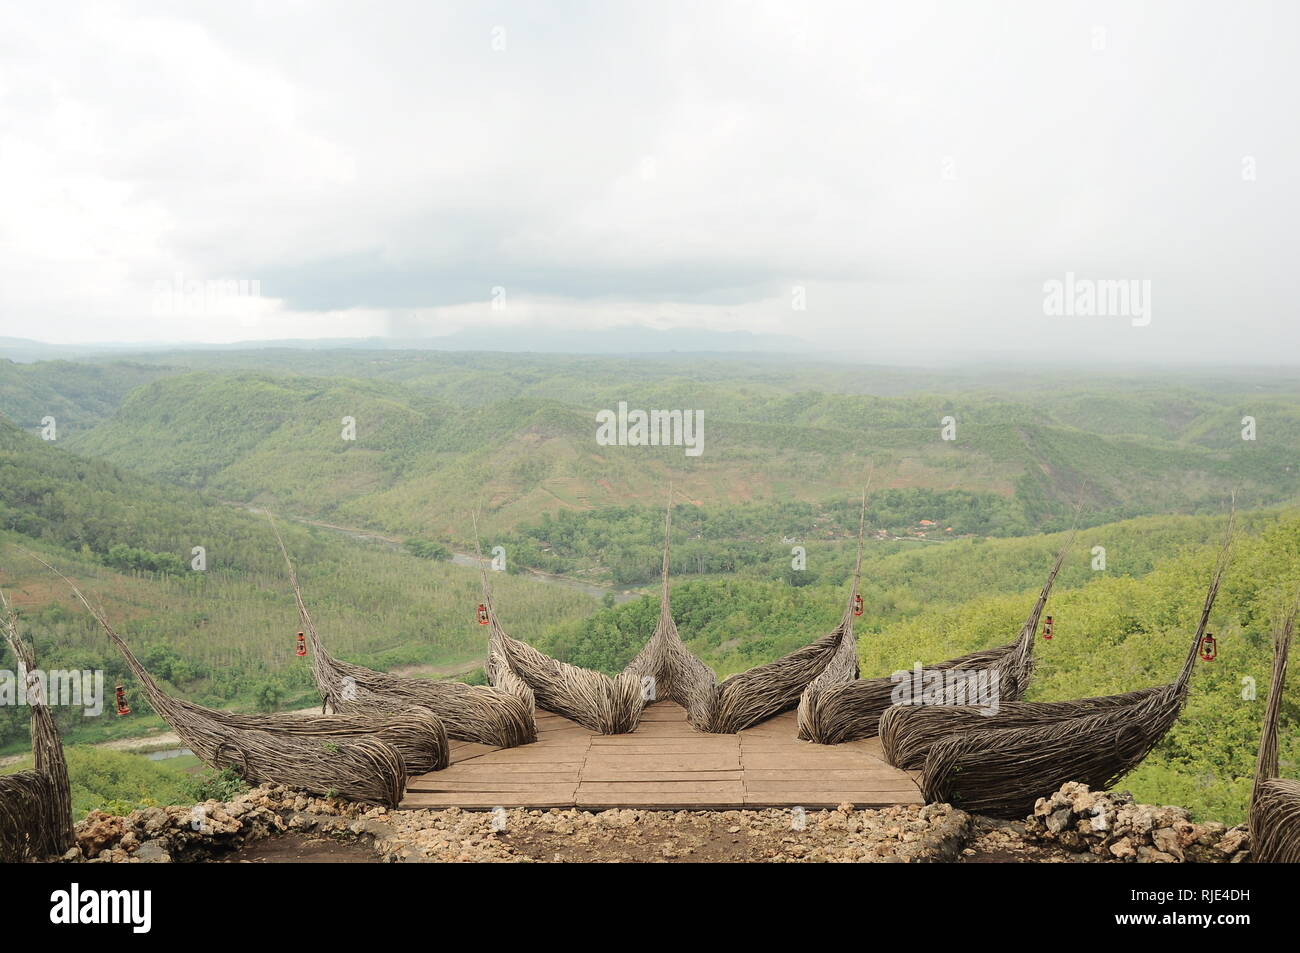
point(664, 765)
point(683, 762)
point(531, 754)
point(724, 789)
point(642, 738)
point(473, 769)
point(664, 749)
point(490, 783)
point(764, 803)
point(851, 784)
point(661, 802)
point(772, 759)
point(590, 774)
point(466, 750)
point(508, 801)
point(564, 789)
point(817, 774)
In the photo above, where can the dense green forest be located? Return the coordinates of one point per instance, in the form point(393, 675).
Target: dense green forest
point(437, 434)
point(164, 453)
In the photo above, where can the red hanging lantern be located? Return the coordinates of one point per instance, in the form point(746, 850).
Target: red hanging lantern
point(122, 708)
point(1209, 648)
point(1047, 628)
point(857, 604)
point(300, 649)
point(482, 614)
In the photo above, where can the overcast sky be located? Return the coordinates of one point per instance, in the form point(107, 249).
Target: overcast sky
point(912, 174)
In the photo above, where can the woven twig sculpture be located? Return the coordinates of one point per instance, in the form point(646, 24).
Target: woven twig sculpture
point(845, 711)
point(610, 706)
point(843, 667)
point(468, 712)
point(36, 805)
point(907, 732)
point(796, 679)
point(27, 830)
point(666, 669)
point(1003, 771)
point(1274, 801)
point(361, 767)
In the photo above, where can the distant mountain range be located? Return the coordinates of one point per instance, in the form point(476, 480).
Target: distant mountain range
point(633, 339)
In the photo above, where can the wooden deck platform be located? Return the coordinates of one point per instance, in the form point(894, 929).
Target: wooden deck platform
point(664, 765)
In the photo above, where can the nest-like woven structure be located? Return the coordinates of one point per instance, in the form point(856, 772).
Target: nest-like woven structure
point(1275, 822)
point(28, 829)
point(1001, 764)
point(608, 706)
point(36, 805)
point(1003, 772)
point(907, 732)
point(1274, 801)
point(842, 668)
point(468, 712)
point(664, 670)
point(668, 670)
point(844, 710)
point(282, 749)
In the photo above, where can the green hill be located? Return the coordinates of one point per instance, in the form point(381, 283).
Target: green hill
point(420, 460)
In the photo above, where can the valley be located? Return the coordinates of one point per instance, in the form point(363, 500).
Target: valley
point(157, 454)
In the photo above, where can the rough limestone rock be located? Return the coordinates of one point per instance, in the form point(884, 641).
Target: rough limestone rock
point(1111, 824)
point(99, 832)
point(1072, 825)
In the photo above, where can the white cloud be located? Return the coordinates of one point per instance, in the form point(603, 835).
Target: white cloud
point(921, 169)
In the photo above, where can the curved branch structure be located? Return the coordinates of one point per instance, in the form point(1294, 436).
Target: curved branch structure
point(668, 670)
point(36, 805)
point(28, 829)
point(1002, 764)
point(1274, 801)
point(326, 758)
point(468, 712)
point(609, 706)
point(665, 669)
point(1003, 772)
point(907, 732)
point(847, 710)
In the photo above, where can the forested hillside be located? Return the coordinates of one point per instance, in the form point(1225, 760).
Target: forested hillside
point(434, 435)
point(223, 635)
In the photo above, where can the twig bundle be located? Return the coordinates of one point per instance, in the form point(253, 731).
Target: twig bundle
point(468, 712)
point(28, 827)
point(36, 805)
point(1274, 801)
point(907, 732)
point(610, 706)
point(848, 710)
point(1025, 752)
point(666, 668)
point(843, 668)
point(1002, 772)
point(361, 767)
point(747, 698)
